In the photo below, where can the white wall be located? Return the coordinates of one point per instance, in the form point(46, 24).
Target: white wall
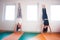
point(55, 25)
point(29, 26)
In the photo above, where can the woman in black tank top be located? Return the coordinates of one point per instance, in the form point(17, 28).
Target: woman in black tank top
point(18, 27)
point(46, 25)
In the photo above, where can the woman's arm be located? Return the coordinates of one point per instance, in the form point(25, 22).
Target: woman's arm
point(42, 26)
point(50, 29)
point(15, 28)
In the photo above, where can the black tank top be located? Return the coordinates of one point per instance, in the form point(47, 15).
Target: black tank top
point(17, 28)
point(45, 29)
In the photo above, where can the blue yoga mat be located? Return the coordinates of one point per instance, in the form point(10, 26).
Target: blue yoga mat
point(27, 36)
point(4, 34)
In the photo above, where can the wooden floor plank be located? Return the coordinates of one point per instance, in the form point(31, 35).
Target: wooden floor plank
point(40, 37)
point(52, 36)
point(48, 36)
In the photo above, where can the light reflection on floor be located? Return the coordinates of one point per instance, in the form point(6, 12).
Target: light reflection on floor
point(32, 39)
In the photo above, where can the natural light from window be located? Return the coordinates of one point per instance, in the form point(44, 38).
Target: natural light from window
point(32, 11)
point(55, 12)
point(10, 12)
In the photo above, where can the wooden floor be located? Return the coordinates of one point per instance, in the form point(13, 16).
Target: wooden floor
point(52, 36)
point(48, 36)
point(42, 36)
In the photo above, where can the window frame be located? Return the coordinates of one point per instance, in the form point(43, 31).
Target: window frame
point(51, 13)
point(4, 8)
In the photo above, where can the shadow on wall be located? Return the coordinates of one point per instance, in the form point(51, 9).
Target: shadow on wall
point(58, 29)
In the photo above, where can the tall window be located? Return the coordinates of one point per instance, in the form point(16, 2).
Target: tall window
point(55, 12)
point(10, 12)
point(32, 11)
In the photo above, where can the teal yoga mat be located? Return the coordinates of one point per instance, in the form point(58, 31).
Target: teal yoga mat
point(4, 34)
point(27, 36)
